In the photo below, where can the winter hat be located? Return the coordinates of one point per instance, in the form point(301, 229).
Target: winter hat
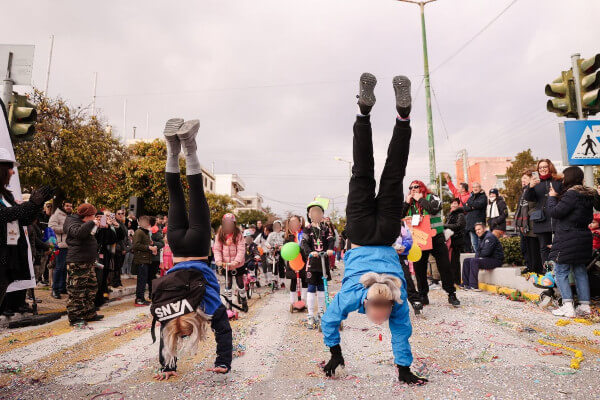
point(247, 233)
point(229, 216)
point(494, 191)
point(86, 209)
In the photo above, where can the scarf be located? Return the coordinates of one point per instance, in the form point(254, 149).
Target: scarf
point(545, 177)
point(492, 210)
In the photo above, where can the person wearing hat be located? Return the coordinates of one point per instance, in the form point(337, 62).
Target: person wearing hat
point(496, 213)
point(186, 301)
point(316, 239)
point(14, 251)
point(81, 229)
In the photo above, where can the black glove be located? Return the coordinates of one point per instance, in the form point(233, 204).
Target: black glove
point(41, 195)
point(404, 375)
point(336, 360)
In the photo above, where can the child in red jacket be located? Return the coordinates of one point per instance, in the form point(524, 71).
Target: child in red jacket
point(595, 228)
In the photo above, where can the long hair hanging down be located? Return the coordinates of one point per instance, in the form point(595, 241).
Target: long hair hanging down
point(382, 286)
point(193, 325)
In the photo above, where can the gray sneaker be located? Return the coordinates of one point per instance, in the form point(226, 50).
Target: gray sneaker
point(366, 94)
point(187, 136)
point(403, 99)
point(170, 133)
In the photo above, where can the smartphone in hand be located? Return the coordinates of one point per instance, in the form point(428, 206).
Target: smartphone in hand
point(103, 221)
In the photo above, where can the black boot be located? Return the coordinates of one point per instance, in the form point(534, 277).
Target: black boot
point(425, 300)
point(453, 300)
point(55, 294)
point(366, 94)
point(244, 303)
point(403, 98)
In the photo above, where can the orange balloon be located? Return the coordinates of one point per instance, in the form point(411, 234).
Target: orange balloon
point(297, 263)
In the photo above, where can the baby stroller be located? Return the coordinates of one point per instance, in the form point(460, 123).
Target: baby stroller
point(551, 294)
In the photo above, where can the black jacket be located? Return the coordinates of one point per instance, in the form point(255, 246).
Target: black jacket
point(572, 213)
point(158, 240)
point(14, 260)
point(539, 194)
point(455, 220)
point(475, 209)
point(83, 247)
point(499, 222)
point(523, 223)
point(490, 247)
point(326, 240)
point(38, 246)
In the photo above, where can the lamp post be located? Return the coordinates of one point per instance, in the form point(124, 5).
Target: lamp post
point(432, 166)
point(349, 165)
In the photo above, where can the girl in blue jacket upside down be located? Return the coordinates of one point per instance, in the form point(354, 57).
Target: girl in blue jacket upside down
point(373, 281)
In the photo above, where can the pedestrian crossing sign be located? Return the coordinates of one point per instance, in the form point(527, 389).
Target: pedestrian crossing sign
point(582, 139)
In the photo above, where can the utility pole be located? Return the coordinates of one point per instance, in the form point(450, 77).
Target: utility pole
point(94, 97)
point(588, 170)
point(49, 64)
point(134, 128)
point(432, 166)
point(465, 161)
point(8, 82)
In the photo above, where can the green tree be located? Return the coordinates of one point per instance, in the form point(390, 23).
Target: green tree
point(512, 186)
point(247, 217)
point(219, 205)
point(142, 174)
point(70, 151)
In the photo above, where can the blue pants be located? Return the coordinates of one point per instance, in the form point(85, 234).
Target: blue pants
point(471, 266)
point(142, 280)
point(59, 276)
point(313, 288)
point(582, 283)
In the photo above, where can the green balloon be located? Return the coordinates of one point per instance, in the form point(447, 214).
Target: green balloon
point(290, 251)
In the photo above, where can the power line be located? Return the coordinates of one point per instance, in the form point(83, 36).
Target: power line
point(468, 42)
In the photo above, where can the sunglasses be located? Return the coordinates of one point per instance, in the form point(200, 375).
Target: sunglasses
point(414, 187)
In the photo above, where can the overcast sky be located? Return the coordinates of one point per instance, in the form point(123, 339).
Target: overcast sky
point(273, 82)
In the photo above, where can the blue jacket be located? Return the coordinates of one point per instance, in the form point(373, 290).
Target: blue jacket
point(212, 299)
point(359, 261)
point(490, 247)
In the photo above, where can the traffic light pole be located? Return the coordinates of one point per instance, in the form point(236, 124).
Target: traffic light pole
point(588, 170)
point(432, 166)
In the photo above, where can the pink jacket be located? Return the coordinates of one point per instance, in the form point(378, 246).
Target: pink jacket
point(230, 253)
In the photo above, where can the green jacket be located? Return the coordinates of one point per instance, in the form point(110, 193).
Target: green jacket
point(430, 205)
point(141, 253)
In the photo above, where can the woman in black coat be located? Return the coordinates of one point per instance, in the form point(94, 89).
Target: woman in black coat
point(538, 191)
point(14, 252)
point(496, 213)
point(572, 211)
point(456, 222)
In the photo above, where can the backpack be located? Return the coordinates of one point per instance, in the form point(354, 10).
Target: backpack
point(175, 294)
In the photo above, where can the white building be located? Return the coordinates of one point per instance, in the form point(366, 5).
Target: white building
point(252, 203)
point(210, 184)
point(230, 185)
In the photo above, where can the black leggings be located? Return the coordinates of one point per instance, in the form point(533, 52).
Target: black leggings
point(188, 233)
point(375, 220)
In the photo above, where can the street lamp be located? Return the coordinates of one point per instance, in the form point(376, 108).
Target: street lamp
point(349, 165)
point(432, 167)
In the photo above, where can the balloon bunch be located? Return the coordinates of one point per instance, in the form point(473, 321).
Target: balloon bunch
point(291, 252)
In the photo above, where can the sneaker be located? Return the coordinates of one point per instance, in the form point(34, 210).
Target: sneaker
point(583, 310)
point(566, 310)
point(366, 94)
point(141, 303)
point(96, 317)
point(311, 322)
point(453, 300)
point(434, 286)
point(56, 295)
point(80, 322)
point(464, 287)
point(417, 307)
point(476, 289)
point(403, 99)
point(545, 301)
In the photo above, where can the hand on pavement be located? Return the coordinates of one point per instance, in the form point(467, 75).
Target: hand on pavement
point(404, 375)
point(336, 360)
point(164, 376)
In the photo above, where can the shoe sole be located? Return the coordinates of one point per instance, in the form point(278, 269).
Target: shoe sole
point(402, 89)
point(188, 130)
point(366, 89)
point(172, 126)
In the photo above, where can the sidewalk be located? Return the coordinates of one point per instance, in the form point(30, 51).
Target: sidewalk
point(50, 305)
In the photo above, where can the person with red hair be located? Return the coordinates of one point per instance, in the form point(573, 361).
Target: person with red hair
point(420, 202)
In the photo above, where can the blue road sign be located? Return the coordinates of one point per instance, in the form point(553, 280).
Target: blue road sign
point(583, 142)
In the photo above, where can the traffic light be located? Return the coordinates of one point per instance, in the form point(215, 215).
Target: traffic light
point(590, 84)
point(563, 89)
point(22, 117)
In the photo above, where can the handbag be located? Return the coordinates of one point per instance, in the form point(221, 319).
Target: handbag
point(539, 215)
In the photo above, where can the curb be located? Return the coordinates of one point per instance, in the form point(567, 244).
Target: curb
point(508, 291)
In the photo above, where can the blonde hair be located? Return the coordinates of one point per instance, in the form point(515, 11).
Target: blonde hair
point(382, 287)
point(192, 325)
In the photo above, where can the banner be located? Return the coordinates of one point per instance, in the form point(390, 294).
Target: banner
point(422, 233)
